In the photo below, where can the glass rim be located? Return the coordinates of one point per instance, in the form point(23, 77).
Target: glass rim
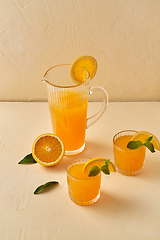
point(75, 178)
point(44, 79)
point(123, 131)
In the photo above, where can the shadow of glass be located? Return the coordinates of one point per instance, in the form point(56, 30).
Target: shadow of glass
point(151, 167)
point(112, 205)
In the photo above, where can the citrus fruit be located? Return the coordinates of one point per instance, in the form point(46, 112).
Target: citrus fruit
point(98, 162)
point(47, 149)
point(143, 135)
point(82, 68)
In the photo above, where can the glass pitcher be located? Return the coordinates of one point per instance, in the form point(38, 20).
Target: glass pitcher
point(68, 103)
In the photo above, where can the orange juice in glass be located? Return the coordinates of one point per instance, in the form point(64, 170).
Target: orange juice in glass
point(128, 162)
point(68, 103)
point(83, 190)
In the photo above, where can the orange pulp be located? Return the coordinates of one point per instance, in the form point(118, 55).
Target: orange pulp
point(127, 160)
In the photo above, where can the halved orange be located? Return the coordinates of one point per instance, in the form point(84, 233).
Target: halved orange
point(143, 136)
point(48, 149)
point(82, 68)
point(98, 162)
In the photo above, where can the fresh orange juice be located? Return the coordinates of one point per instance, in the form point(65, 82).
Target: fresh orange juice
point(128, 162)
point(69, 116)
point(83, 190)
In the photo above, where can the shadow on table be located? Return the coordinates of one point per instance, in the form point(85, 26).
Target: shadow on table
point(101, 149)
point(110, 201)
point(91, 150)
point(151, 169)
point(111, 205)
point(61, 166)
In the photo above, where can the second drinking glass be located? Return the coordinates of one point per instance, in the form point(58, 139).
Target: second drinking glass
point(128, 162)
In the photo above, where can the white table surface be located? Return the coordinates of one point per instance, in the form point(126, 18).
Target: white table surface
point(129, 207)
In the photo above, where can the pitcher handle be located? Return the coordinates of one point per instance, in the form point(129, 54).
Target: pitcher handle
point(91, 120)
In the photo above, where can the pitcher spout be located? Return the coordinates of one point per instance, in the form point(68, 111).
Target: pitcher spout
point(44, 80)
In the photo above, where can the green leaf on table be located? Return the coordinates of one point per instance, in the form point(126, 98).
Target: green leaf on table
point(94, 171)
point(27, 159)
point(134, 144)
point(41, 187)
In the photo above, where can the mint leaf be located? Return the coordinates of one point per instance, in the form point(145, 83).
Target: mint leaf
point(149, 139)
point(105, 168)
point(134, 144)
point(94, 171)
point(107, 161)
point(40, 188)
point(27, 159)
point(137, 144)
point(150, 146)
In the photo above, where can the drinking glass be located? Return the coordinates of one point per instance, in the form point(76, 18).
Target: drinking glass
point(128, 162)
point(83, 190)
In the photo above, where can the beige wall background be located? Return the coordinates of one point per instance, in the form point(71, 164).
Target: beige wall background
point(123, 35)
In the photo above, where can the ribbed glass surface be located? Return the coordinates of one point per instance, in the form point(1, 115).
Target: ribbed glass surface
point(128, 162)
point(83, 190)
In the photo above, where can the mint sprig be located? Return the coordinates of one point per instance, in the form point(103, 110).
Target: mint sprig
point(95, 169)
point(136, 144)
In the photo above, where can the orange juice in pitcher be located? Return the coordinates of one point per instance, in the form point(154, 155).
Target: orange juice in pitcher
point(69, 120)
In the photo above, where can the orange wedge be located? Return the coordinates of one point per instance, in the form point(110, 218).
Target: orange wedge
point(143, 135)
point(82, 68)
point(48, 149)
point(98, 162)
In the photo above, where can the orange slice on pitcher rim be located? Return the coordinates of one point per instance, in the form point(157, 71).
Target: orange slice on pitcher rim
point(83, 68)
point(143, 136)
point(98, 162)
point(48, 149)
